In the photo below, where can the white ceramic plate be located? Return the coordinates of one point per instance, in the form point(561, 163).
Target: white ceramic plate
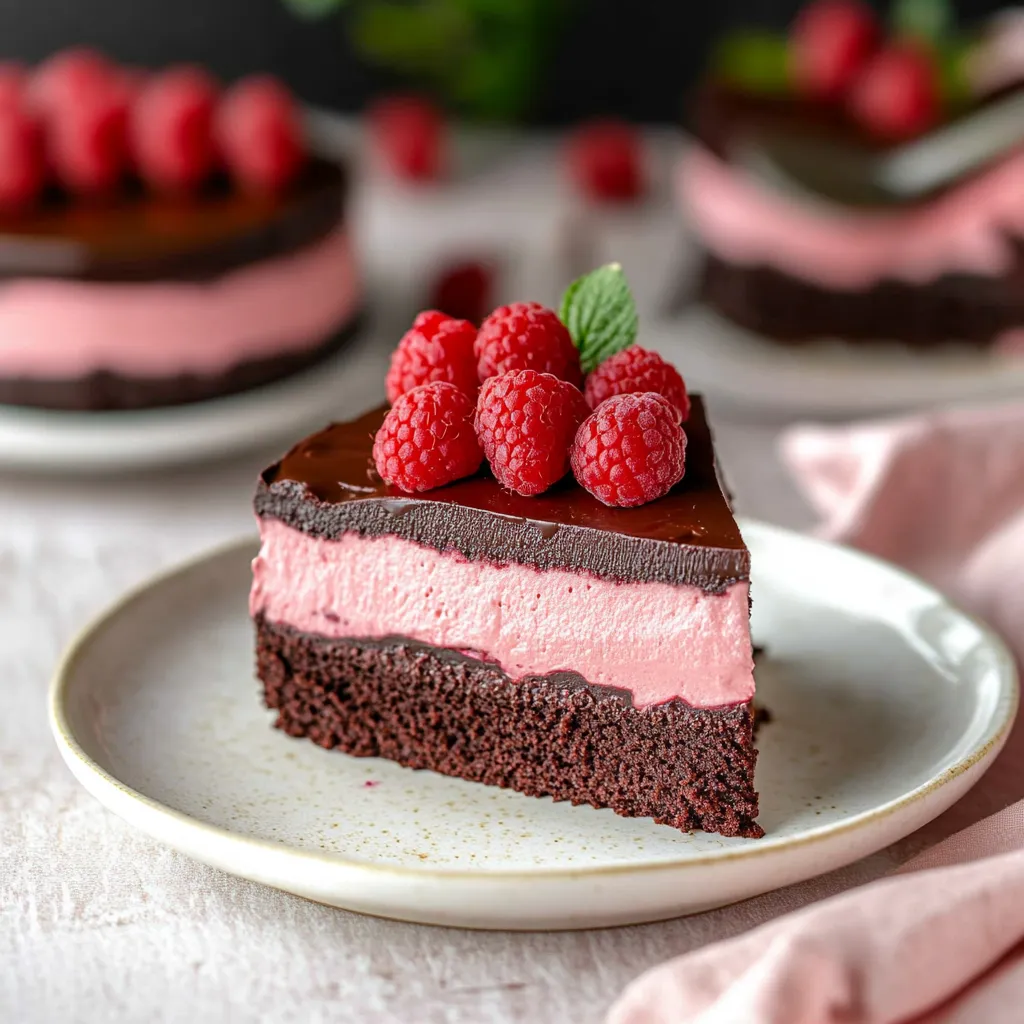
point(78, 442)
point(828, 379)
point(888, 704)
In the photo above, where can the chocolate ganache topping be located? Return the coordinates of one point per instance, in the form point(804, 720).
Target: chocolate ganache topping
point(327, 485)
point(142, 236)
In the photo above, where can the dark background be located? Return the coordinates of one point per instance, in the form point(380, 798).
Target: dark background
point(633, 58)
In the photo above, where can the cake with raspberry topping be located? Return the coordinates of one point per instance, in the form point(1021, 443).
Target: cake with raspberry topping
point(817, 253)
point(163, 240)
point(506, 585)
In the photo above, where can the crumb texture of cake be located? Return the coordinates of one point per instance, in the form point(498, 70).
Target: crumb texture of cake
point(552, 736)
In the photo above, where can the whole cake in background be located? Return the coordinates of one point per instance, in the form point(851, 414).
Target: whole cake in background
point(523, 573)
point(162, 240)
point(923, 268)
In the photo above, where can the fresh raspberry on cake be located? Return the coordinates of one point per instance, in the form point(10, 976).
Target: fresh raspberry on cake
point(22, 161)
point(631, 450)
point(605, 161)
point(408, 134)
point(259, 130)
point(897, 96)
point(87, 133)
point(526, 336)
point(832, 40)
point(436, 347)
point(427, 439)
point(526, 421)
point(171, 129)
point(635, 369)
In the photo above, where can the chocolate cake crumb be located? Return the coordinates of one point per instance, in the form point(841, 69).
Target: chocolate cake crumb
point(690, 768)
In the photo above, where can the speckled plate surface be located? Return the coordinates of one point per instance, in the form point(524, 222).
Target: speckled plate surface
point(887, 705)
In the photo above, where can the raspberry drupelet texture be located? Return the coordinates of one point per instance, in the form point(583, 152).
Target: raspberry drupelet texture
point(436, 347)
point(526, 336)
point(631, 450)
point(427, 439)
point(526, 421)
point(605, 161)
point(635, 369)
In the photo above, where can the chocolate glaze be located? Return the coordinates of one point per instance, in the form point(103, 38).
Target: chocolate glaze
point(140, 236)
point(326, 486)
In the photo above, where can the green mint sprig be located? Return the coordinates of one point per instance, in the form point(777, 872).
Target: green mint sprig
point(930, 21)
point(600, 312)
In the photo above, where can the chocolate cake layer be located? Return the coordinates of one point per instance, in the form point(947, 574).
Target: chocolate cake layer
point(106, 392)
point(327, 486)
point(141, 236)
point(969, 310)
point(551, 736)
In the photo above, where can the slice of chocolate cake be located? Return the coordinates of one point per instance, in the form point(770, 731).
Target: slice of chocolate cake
point(552, 644)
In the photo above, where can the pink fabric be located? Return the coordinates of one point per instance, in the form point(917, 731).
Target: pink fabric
point(941, 940)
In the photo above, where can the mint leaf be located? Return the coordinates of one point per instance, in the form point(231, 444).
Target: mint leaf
point(929, 20)
point(754, 61)
point(600, 313)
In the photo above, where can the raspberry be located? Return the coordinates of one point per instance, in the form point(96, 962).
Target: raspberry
point(605, 160)
point(427, 439)
point(631, 450)
point(897, 96)
point(436, 347)
point(57, 82)
point(636, 370)
point(831, 42)
point(464, 290)
point(22, 161)
point(172, 129)
point(260, 134)
point(88, 137)
point(526, 336)
point(408, 133)
point(526, 421)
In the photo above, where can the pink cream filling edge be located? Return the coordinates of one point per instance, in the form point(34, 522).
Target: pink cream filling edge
point(61, 329)
point(656, 640)
point(964, 231)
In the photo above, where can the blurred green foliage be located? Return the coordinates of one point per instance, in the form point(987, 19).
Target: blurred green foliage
point(485, 57)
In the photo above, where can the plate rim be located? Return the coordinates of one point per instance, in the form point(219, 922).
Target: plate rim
point(84, 767)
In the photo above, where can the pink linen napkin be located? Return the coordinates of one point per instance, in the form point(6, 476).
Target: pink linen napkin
point(941, 941)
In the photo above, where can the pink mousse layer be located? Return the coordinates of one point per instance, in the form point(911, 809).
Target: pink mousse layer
point(656, 640)
point(968, 230)
point(61, 329)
